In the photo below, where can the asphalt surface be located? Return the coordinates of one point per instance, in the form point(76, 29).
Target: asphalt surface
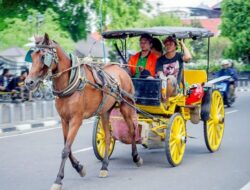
point(30, 160)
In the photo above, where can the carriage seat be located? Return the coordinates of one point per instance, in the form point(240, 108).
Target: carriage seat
point(148, 91)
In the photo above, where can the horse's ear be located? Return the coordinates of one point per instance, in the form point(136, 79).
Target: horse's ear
point(46, 39)
point(36, 38)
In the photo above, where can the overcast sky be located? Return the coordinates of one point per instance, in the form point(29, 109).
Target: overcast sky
point(184, 3)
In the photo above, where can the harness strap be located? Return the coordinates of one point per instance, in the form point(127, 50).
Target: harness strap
point(101, 105)
point(71, 88)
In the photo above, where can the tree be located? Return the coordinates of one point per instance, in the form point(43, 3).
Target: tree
point(159, 20)
point(218, 47)
point(235, 26)
point(72, 14)
point(120, 13)
point(69, 18)
point(18, 31)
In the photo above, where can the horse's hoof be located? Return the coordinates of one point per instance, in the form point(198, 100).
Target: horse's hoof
point(103, 173)
point(56, 186)
point(140, 162)
point(83, 172)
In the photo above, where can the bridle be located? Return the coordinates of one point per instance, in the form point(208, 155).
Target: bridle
point(46, 59)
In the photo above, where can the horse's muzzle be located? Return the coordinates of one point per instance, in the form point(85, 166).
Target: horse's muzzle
point(30, 83)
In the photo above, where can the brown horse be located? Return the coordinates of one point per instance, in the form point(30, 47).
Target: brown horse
point(48, 57)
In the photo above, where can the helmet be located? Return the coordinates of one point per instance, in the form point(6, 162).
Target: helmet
point(195, 93)
point(225, 62)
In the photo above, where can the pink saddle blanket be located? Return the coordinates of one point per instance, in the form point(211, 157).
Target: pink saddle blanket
point(120, 129)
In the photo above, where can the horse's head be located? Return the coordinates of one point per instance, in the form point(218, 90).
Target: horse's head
point(44, 60)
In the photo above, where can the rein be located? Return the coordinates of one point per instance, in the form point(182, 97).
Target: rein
point(88, 61)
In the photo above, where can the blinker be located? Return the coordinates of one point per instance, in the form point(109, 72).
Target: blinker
point(28, 56)
point(48, 59)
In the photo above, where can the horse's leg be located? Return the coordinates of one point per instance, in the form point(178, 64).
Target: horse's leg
point(127, 111)
point(76, 164)
point(74, 123)
point(105, 161)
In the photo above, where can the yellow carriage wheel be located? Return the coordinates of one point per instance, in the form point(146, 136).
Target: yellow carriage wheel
point(98, 140)
point(214, 126)
point(175, 139)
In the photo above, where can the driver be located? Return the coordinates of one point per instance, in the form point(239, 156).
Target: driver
point(169, 66)
point(143, 63)
point(227, 70)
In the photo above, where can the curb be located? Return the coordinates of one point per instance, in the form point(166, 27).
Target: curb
point(22, 127)
point(243, 89)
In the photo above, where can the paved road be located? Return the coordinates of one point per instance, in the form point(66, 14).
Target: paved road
point(30, 161)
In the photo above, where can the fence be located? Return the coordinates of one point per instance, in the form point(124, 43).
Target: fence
point(29, 111)
point(243, 83)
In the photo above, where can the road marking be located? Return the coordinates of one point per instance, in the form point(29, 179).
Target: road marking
point(246, 187)
point(37, 131)
point(28, 133)
point(82, 150)
point(233, 111)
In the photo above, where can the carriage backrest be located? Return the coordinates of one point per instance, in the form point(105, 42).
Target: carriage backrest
point(147, 91)
point(195, 76)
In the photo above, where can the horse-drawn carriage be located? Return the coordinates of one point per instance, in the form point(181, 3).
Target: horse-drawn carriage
point(161, 124)
point(80, 94)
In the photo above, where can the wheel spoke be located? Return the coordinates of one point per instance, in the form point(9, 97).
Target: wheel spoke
point(179, 148)
point(210, 135)
point(218, 132)
point(215, 138)
point(172, 142)
point(210, 122)
point(218, 102)
point(210, 128)
point(176, 153)
point(172, 149)
point(100, 136)
point(219, 108)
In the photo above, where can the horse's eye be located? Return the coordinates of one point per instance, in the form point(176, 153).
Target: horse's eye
point(42, 60)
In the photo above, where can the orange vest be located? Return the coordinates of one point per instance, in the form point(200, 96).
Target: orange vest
point(150, 65)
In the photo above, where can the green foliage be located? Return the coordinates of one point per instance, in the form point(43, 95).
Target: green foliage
point(18, 31)
point(198, 47)
point(71, 16)
point(119, 13)
point(218, 47)
point(159, 20)
point(66, 21)
point(235, 26)
point(215, 65)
